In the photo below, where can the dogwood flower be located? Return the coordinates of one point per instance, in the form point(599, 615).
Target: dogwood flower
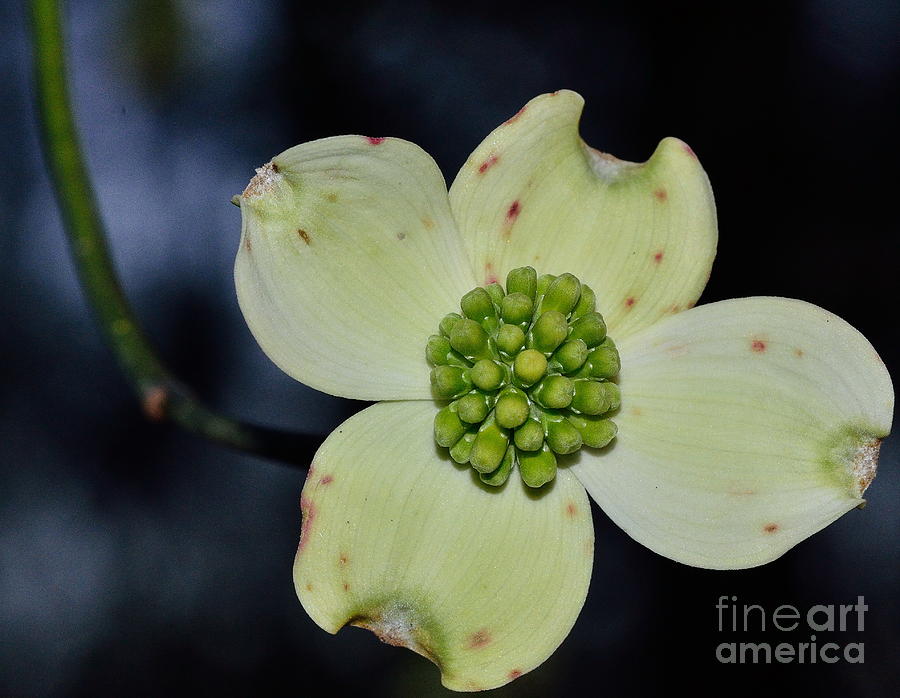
point(744, 426)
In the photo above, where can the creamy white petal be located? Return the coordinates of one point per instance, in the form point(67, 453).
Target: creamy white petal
point(349, 257)
point(642, 235)
point(746, 426)
point(485, 582)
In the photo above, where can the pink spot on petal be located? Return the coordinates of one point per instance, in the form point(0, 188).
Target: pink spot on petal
point(571, 509)
point(514, 674)
point(486, 165)
point(758, 345)
point(515, 116)
point(513, 212)
point(489, 276)
point(326, 480)
point(661, 195)
point(658, 257)
point(689, 150)
point(630, 301)
point(770, 528)
point(479, 639)
point(308, 515)
point(375, 140)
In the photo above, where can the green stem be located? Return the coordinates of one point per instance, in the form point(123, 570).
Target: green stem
point(160, 394)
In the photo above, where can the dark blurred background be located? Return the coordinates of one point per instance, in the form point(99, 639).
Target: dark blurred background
point(137, 560)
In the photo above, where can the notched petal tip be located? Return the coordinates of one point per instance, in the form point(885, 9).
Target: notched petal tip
point(865, 464)
point(402, 624)
point(853, 455)
point(263, 182)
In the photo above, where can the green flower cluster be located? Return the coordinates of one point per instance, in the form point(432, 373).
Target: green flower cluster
point(528, 372)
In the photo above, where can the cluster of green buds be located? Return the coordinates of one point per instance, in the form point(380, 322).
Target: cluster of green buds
point(528, 374)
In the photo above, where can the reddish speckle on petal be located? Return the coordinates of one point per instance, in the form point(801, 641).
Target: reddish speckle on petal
point(489, 276)
point(479, 639)
point(326, 480)
point(514, 674)
point(486, 165)
point(308, 515)
point(375, 140)
point(515, 116)
point(770, 528)
point(689, 150)
point(513, 212)
point(571, 509)
point(658, 257)
point(630, 301)
point(661, 195)
point(758, 345)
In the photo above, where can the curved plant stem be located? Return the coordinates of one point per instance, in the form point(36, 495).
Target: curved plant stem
point(160, 394)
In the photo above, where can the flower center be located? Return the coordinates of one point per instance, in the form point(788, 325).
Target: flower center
point(527, 371)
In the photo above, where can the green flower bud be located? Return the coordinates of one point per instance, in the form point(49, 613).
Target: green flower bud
point(591, 328)
point(615, 395)
point(495, 291)
point(537, 468)
point(470, 340)
point(448, 322)
point(530, 366)
point(489, 448)
point(500, 475)
point(510, 339)
point(529, 436)
point(604, 362)
point(522, 280)
point(439, 352)
point(586, 304)
point(543, 283)
point(596, 432)
point(591, 397)
point(562, 436)
point(554, 392)
point(527, 376)
point(487, 375)
point(448, 427)
point(562, 294)
point(512, 408)
point(472, 408)
point(569, 357)
point(449, 382)
point(516, 309)
point(548, 332)
point(477, 305)
point(462, 449)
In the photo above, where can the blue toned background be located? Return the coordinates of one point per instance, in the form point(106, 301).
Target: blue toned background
point(137, 560)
